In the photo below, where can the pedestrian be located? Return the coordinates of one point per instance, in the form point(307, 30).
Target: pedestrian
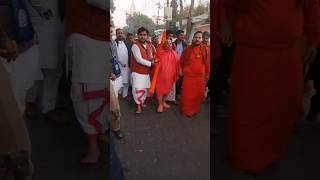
point(28, 57)
point(130, 38)
point(206, 42)
point(86, 49)
point(168, 72)
point(50, 33)
point(123, 57)
point(155, 41)
point(115, 86)
point(267, 76)
point(195, 67)
point(142, 60)
point(181, 44)
point(14, 136)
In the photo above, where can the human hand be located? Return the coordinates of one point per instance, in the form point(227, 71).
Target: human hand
point(9, 50)
point(113, 77)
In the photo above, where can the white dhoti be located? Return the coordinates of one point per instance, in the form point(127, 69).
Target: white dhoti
point(23, 73)
point(172, 95)
point(117, 85)
point(89, 60)
point(51, 39)
point(140, 86)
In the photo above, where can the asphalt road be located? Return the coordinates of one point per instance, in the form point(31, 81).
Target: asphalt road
point(165, 146)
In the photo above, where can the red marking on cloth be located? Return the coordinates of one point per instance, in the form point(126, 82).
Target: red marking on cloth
point(93, 116)
point(142, 92)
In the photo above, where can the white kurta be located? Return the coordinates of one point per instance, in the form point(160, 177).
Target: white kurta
point(23, 73)
point(117, 85)
point(88, 59)
point(123, 58)
point(50, 35)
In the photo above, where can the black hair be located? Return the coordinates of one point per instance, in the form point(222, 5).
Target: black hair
point(118, 29)
point(169, 32)
point(142, 29)
point(129, 34)
point(206, 33)
point(179, 32)
point(198, 32)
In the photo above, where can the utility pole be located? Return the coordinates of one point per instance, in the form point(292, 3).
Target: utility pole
point(158, 18)
point(168, 25)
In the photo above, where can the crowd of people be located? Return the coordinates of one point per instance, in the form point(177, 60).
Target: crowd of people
point(159, 68)
point(58, 45)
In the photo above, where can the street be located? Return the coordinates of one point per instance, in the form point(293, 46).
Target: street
point(164, 146)
point(57, 151)
point(300, 161)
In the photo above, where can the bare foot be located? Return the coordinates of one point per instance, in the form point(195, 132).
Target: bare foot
point(160, 109)
point(165, 105)
point(139, 109)
point(91, 157)
point(103, 138)
point(93, 153)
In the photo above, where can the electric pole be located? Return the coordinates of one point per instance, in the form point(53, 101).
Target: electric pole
point(158, 18)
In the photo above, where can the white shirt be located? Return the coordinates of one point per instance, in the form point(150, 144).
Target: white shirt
point(123, 58)
point(137, 54)
point(122, 53)
point(179, 48)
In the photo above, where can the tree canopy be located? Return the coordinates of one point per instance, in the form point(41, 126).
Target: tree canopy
point(137, 20)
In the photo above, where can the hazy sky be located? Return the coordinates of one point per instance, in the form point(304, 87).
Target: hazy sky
point(147, 7)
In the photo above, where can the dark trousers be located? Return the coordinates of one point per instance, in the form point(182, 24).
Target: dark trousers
point(315, 100)
point(116, 171)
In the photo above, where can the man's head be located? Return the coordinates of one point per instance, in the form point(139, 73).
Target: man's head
point(155, 39)
point(169, 34)
point(206, 37)
point(197, 38)
point(142, 35)
point(119, 34)
point(180, 35)
point(130, 38)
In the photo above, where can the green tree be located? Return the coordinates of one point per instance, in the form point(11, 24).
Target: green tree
point(202, 8)
point(137, 20)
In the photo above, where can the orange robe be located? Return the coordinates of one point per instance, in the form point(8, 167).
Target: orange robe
point(168, 72)
point(267, 77)
point(195, 63)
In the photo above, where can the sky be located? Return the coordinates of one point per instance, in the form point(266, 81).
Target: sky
point(147, 7)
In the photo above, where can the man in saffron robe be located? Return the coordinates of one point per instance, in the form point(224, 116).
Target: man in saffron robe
point(195, 66)
point(267, 64)
point(168, 73)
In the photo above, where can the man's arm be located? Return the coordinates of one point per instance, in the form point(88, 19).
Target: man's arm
point(207, 63)
point(101, 4)
point(136, 53)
